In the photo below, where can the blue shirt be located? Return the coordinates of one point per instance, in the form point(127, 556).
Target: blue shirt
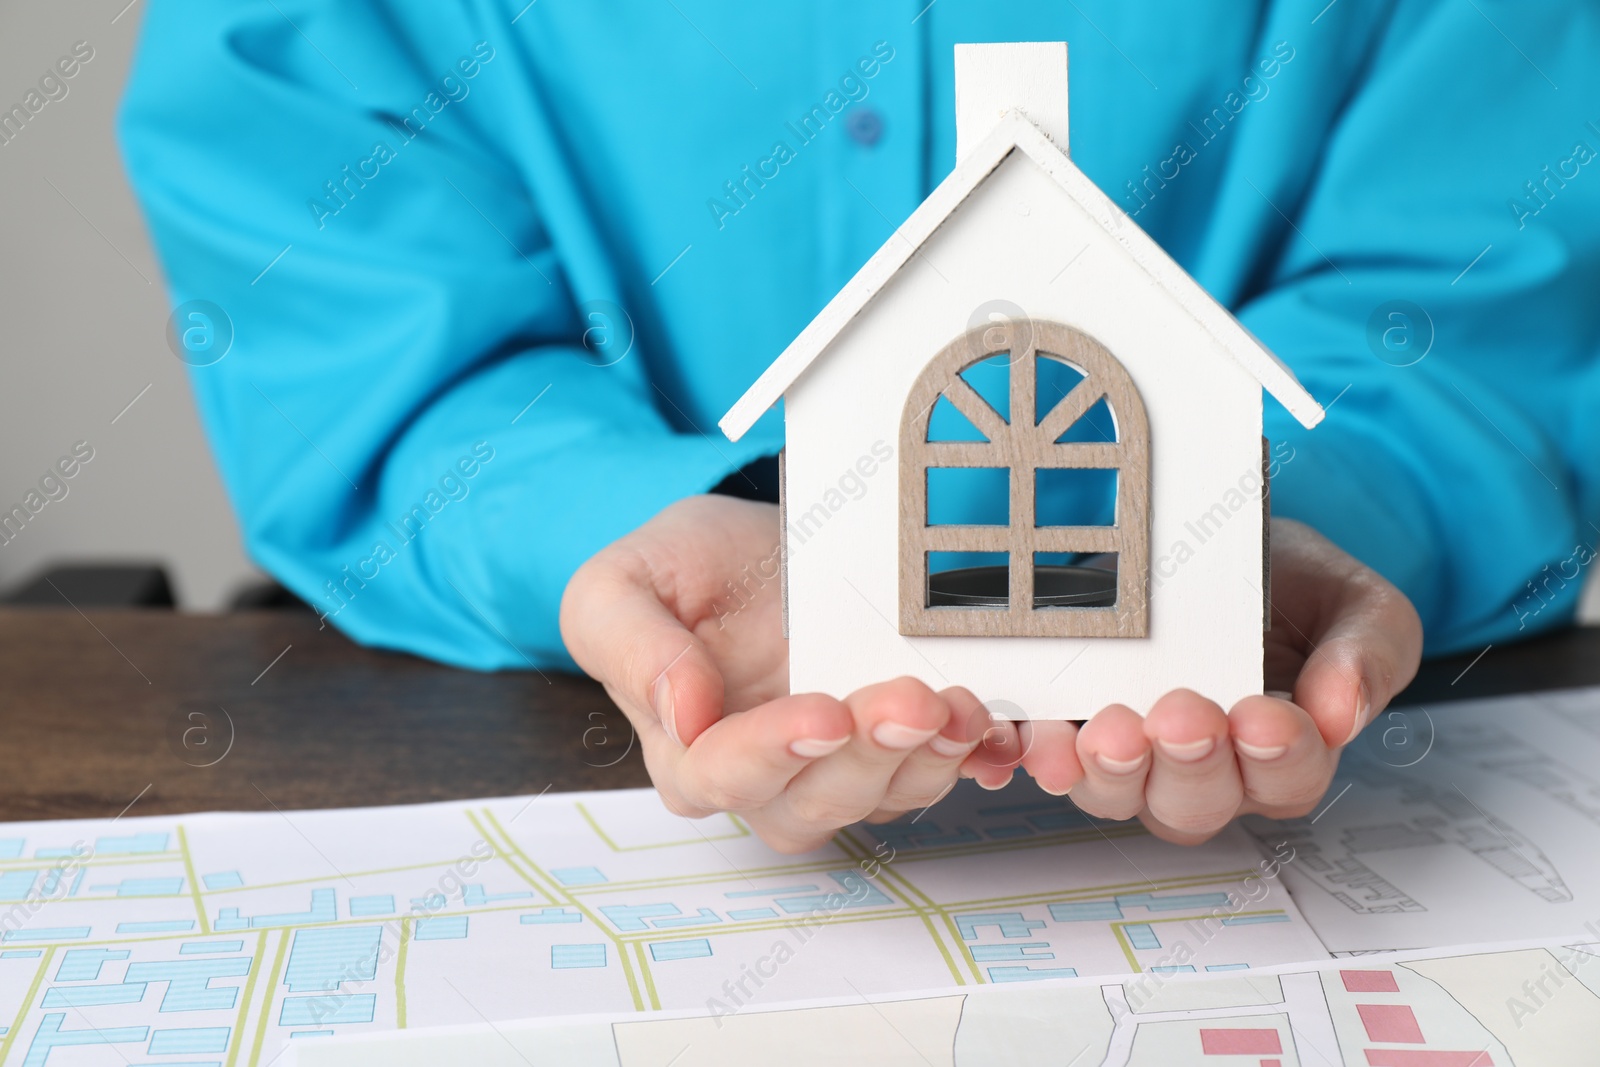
point(493, 271)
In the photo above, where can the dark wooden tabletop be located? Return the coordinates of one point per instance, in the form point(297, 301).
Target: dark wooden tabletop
point(260, 709)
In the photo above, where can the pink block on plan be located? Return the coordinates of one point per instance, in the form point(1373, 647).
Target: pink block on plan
point(1405, 1057)
point(1369, 982)
point(1390, 1023)
point(1239, 1042)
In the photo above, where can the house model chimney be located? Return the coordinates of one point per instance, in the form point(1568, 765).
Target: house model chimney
point(992, 79)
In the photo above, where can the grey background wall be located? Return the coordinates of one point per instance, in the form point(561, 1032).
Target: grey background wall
point(83, 329)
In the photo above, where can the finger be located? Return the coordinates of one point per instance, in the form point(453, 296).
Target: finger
point(931, 771)
point(744, 761)
point(617, 629)
point(1114, 754)
point(998, 755)
point(1050, 754)
point(1362, 637)
point(1283, 762)
point(1194, 787)
point(891, 720)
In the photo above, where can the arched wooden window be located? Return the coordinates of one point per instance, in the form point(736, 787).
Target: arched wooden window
point(1026, 443)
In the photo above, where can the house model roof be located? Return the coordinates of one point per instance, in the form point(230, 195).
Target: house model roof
point(1015, 133)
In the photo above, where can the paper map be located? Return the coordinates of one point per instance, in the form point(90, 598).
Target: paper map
point(1455, 824)
point(222, 939)
point(317, 937)
point(1534, 1004)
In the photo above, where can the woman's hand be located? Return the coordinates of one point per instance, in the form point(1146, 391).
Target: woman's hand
point(1343, 642)
point(681, 621)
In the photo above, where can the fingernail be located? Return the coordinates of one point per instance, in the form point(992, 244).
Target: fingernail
point(1260, 752)
point(900, 736)
point(1118, 766)
point(949, 749)
point(1363, 711)
point(815, 747)
point(661, 700)
point(997, 786)
point(1187, 751)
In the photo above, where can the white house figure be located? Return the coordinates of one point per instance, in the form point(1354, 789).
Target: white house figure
point(1069, 616)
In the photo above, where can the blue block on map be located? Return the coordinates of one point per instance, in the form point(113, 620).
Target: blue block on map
point(1011, 924)
point(1141, 936)
point(445, 928)
point(366, 907)
point(321, 959)
point(189, 981)
point(573, 957)
point(50, 1036)
point(680, 950)
point(1030, 974)
point(328, 1009)
point(93, 996)
point(1028, 950)
point(16, 885)
point(47, 933)
point(190, 1039)
point(474, 895)
point(83, 964)
point(132, 844)
point(1085, 911)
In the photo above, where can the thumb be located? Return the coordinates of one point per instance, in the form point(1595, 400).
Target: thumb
point(1361, 636)
point(618, 630)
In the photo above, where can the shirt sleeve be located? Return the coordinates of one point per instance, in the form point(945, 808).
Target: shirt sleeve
point(1436, 293)
point(433, 409)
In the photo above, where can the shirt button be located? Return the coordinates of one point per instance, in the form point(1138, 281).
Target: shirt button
point(865, 126)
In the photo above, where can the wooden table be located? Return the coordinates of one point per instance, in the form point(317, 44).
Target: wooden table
point(263, 709)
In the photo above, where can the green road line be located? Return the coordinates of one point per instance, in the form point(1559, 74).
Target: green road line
point(944, 950)
point(117, 859)
point(893, 880)
point(1127, 949)
point(1208, 915)
point(744, 831)
point(351, 874)
point(814, 867)
point(244, 1006)
point(649, 979)
point(51, 902)
point(551, 890)
point(266, 1003)
point(651, 937)
point(194, 883)
point(616, 942)
point(1066, 895)
point(400, 975)
point(27, 1002)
